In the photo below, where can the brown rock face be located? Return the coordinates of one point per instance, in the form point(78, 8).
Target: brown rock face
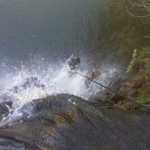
point(66, 122)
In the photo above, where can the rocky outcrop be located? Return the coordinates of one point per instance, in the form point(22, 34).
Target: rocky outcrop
point(136, 86)
point(27, 83)
point(140, 65)
point(128, 88)
point(67, 122)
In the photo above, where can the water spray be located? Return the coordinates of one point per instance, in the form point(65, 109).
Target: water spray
point(125, 97)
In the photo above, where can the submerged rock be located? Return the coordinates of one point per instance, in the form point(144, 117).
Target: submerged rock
point(27, 83)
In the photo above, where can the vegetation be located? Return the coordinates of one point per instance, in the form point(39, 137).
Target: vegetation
point(132, 61)
point(123, 28)
point(141, 66)
point(129, 29)
point(142, 6)
point(142, 74)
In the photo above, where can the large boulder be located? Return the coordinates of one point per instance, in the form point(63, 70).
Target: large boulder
point(67, 122)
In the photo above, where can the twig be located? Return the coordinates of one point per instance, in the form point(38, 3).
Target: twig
point(135, 15)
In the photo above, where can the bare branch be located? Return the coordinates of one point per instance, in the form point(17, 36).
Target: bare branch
point(146, 36)
point(134, 4)
point(136, 15)
point(142, 6)
point(147, 8)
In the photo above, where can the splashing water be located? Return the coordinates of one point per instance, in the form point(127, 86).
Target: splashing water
point(36, 82)
point(26, 84)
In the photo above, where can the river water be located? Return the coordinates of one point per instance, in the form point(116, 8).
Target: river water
point(36, 37)
point(50, 30)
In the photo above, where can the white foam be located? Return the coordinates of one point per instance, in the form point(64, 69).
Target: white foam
point(55, 81)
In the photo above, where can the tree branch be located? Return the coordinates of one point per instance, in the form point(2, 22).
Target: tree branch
point(136, 15)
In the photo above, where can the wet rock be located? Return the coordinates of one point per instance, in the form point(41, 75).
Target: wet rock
point(5, 108)
point(137, 84)
point(67, 122)
point(124, 89)
point(125, 105)
point(141, 65)
point(27, 83)
point(138, 66)
point(133, 93)
point(7, 97)
point(14, 144)
point(105, 94)
point(92, 75)
point(116, 98)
